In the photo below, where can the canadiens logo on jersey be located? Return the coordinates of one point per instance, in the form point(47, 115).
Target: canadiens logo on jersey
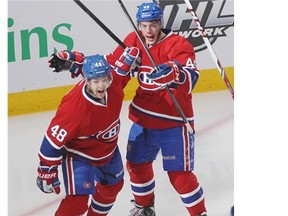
point(144, 81)
point(110, 133)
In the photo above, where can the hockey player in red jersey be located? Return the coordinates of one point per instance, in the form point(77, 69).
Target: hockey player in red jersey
point(156, 121)
point(83, 134)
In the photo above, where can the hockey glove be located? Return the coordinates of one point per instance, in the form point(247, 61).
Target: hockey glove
point(166, 73)
point(128, 61)
point(194, 74)
point(67, 60)
point(47, 179)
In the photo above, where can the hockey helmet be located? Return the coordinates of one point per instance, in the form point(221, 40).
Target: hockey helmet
point(95, 66)
point(148, 12)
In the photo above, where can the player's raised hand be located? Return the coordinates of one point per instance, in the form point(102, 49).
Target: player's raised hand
point(166, 73)
point(67, 60)
point(48, 180)
point(128, 61)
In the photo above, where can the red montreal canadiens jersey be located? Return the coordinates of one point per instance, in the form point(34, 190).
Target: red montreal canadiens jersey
point(152, 107)
point(84, 127)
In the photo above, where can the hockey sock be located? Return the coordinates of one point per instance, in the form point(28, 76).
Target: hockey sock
point(73, 205)
point(190, 191)
point(142, 182)
point(103, 200)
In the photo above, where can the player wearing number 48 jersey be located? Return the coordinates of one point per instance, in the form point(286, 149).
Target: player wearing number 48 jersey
point(83, 135)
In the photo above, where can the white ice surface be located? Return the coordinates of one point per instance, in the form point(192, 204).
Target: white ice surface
point(214, 155)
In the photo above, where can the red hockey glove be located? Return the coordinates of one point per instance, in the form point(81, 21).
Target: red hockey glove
point(166, 74)
point(47, 179)
point(67, 60)
point(128, 61)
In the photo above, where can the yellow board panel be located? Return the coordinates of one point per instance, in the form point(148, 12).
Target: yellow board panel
point(49, 99)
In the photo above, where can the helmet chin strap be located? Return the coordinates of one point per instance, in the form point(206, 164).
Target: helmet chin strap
point(160, 32)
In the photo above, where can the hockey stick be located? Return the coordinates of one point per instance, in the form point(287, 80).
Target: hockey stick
point(104, 27)
point(181, 113)
point(111, 34)
point(210, 48)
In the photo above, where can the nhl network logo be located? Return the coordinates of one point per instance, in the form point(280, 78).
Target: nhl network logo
point(215, 17)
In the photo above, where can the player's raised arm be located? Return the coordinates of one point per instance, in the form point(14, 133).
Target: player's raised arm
point(67, 60)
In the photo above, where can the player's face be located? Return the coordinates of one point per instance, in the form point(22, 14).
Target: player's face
point(150, 31)
point(98, 87)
